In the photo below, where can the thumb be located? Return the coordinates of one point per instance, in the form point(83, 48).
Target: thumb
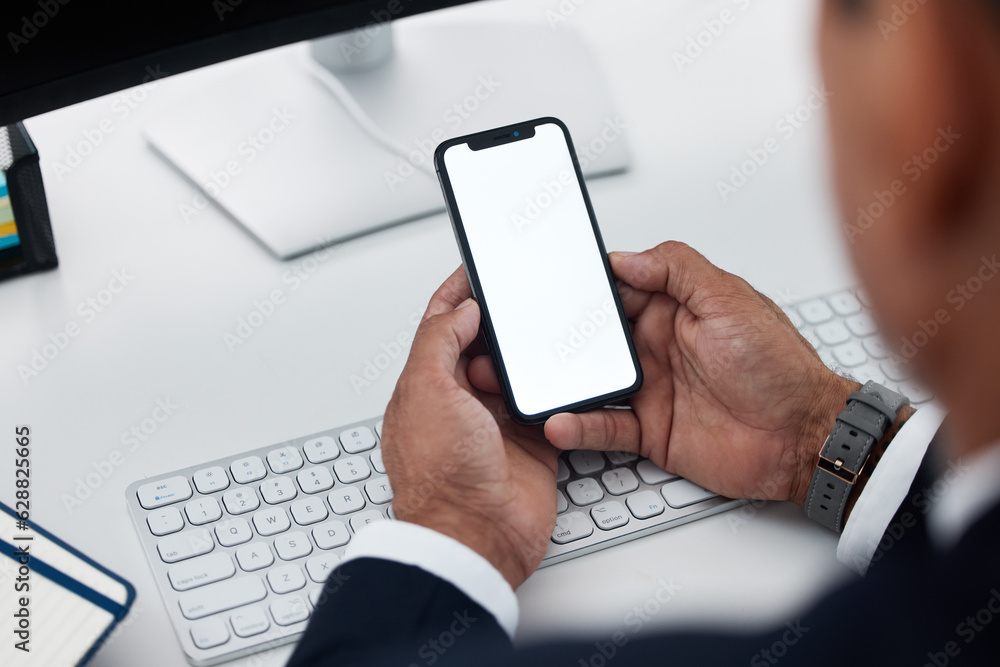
point(440, 339)
point(670, 267)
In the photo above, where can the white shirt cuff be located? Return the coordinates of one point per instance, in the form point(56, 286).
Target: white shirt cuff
point(445, 558)
point(887, 488)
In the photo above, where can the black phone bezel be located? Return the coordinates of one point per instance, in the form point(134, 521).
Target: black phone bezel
point(484, 141)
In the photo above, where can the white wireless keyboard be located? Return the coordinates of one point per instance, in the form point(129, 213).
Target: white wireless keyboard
point(240, 546)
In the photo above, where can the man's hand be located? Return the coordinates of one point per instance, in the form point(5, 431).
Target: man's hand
point(457, 463)
point(734, 398)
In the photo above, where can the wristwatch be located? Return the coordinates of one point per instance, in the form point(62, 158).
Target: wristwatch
point(870, 412)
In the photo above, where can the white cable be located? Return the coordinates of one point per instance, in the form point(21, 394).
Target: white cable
point(354, 110)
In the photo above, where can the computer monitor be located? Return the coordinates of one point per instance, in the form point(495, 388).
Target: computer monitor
point(364, 125)
point(60, 52)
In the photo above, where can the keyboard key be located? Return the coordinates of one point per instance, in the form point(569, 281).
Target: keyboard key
point(317, 596)
point(811, 337)
point(278, 490)
point(352, 469)
point(868, 371)
point(609, 515)
point(331, 535)
point(181, 546)
point(314, 480)
point(571, 527)
point(916, 393)
point(320, 567)
point(861, 325)
point(376, 459)
point(358, 439)
point(584, 491)
point(379, 491)
point(563, 472)
point(165, 521)
point(650, 473)
point(233, 532)
point(346, 499)
point(833, 333)
point(586, 462)
point(211, 480)
point(876, 348)
point(619, 481)
point(249, 469)
point(249, 622)
point(309, 511)
point(293, 545)
point(815, 312)
point(254, 556)
point(284, 459)
point(561, 503)
point(221, 596)
point(845, 304)
point(286, 578)
point(621, 458)
point(863, 297)
point(164, 492)
point(203, 510)
point(894, 370)
point(201, 571)
point(850, 354)
point(287, 611)
point(682, 493)
point(378, 428)
point(363, 519)
point(209, 633)
point(645, 504)
point(239, 501)
point(793, 317)
point(321, 449)
point(271, 521)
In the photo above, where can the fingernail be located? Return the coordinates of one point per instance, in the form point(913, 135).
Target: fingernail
point(465, 304)
point(624, 253)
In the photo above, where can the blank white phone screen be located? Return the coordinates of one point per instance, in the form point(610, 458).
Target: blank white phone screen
point(540, 268)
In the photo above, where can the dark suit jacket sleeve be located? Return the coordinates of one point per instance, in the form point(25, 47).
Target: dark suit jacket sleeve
point(917, 606)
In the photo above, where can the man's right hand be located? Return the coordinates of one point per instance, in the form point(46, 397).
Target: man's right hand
point(734, 399)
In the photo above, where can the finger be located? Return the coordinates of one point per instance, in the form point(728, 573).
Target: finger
point(440, 339)
point(452, 292)
point(603, 430)
point(671, 267)
point(634, 300)
point(483, 376)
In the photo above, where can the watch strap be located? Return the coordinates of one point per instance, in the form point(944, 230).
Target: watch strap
point(870, 412)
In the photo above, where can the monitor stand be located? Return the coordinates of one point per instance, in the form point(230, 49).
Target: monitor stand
point(305, 155)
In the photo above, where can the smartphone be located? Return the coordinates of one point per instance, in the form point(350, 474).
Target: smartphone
point(532, 250)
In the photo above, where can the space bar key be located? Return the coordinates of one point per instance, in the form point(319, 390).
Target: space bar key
point(221, 596)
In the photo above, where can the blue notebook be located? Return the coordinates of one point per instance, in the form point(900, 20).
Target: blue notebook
point(72, 602)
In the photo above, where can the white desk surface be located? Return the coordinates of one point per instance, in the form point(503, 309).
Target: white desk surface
point(162, 337)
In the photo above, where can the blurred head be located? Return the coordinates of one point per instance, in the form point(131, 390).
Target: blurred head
point(915, 125)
